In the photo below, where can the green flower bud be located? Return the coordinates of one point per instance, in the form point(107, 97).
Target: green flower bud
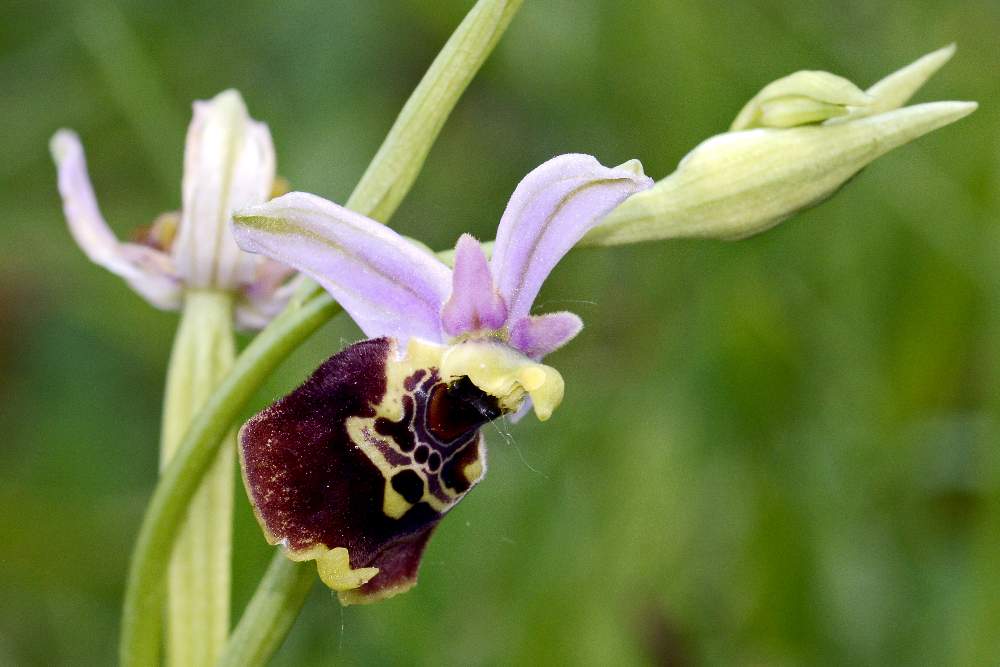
point(743, 182)
point(800, 98)
point(896, 89)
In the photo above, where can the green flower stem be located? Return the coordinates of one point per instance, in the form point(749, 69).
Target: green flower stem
point(140, 642)
point(198, 584)
point(378, 194)
point(398, 161)
point(270, 614)
point(395, 167)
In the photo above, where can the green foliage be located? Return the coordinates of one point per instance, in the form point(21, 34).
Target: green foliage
point(777, 451)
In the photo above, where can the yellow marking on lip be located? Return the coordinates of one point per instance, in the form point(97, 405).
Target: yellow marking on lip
point(355, 596)
point(506, 374)
point(395, 505)
point(420, 355)
point(474, 471)
point(335, 570)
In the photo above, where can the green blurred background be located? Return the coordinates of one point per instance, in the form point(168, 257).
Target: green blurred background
point(781, 451)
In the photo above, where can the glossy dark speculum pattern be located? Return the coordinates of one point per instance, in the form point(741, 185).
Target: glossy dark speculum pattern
point(368, 454)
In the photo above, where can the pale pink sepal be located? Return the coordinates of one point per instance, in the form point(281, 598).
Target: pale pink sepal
point(387, 284)
point(229, 164)
point(147, 271)
point(550, 210)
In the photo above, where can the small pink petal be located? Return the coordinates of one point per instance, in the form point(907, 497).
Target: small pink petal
point(537, 336)
point(474, 303)
point(264, 299)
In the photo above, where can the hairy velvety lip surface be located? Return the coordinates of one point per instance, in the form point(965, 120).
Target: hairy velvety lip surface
point(324, 465)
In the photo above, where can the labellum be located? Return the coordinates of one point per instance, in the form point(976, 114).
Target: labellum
point(370, 452)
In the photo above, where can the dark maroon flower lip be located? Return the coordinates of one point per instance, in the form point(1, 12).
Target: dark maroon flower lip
point(356, 467)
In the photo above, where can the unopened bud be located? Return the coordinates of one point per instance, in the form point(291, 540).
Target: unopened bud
point(811, 132)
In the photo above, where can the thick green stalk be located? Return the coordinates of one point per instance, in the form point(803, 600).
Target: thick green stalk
point(398, 161)
point(140, 643)
point(270, 614)
point(378, 194)
point(198, 581)
point(395, 167)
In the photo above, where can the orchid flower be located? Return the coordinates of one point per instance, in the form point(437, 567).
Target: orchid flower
point(355, 468)
point(228, 164)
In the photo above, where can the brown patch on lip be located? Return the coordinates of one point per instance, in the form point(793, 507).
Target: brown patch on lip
point(314, 488)
point(458, 408)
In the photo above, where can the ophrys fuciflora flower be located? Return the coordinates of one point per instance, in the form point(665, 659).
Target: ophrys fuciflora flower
point(356, 467)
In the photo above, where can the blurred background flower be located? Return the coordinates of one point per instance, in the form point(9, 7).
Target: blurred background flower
point(778, 451)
